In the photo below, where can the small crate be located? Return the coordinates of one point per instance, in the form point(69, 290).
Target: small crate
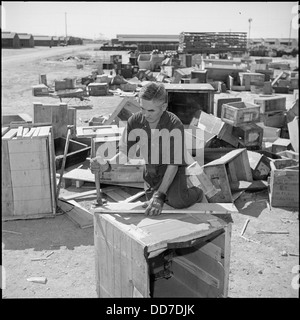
point(97, 89)
point(260, 165)
point(40, 90)
point(284, 183)
point(219, 103)
point(230, 168)
point(238, 113)
point(60, 85)
point(249, 135)
point(267, 104)
point(281, 145)
point(77, 152)
point(274, 119)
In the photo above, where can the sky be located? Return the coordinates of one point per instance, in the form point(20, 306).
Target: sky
point(107, 19)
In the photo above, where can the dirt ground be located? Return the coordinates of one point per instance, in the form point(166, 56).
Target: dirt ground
point(263, 267)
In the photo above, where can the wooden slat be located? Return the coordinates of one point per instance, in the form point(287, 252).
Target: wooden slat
point(136, 207)
point(20, 132)
point(44, 131)
point(51, 152)
point(10, 134)
point(6, 190)
point(25, 130)
point(36, 132)
point(197, 271)
point(29, 133)
point(79, 215)
point(4, 130)
point(117, 290)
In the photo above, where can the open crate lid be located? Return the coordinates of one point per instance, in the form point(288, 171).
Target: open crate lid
point(173, 228)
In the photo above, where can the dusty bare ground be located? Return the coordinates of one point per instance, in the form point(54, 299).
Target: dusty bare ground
point(264, 267)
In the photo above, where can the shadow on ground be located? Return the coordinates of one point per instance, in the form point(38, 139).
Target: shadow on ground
point(45, 234)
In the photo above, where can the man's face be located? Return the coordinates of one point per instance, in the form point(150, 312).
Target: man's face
point(152, 110)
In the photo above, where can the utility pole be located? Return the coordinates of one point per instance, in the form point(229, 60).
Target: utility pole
point(66, 25)
point(290, 33)
point(249, 20)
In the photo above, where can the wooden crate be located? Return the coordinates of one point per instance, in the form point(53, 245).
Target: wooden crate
point(77, 152)
point(284, 183)
point(97, 89)
point(60, 115)
point(40, 90)
point(28, 173)
point(239, 113)
point(230, 168)
point(260, 165)
point(249, 135)
point(186, 99)
point(274, 103)
point(281, 145)
point(274, 119)
point(181, 253)
point(219, 103)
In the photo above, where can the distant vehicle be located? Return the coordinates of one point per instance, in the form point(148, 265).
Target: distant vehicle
point(63, 44)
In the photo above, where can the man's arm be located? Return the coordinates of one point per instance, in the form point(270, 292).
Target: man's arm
point(157, 201)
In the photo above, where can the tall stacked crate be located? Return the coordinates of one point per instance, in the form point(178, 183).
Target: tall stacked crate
point(28, 173)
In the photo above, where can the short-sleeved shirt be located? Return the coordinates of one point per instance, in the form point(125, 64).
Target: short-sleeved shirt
point(158, 147)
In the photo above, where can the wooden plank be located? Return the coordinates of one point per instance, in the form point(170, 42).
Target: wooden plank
point(227, 252)
point(79, 215)
point(10, 134)
point(197, 271)
point(25, 130)
point(6, 190)
point(117, 289)
point(44, 131)
point(20, 132)
point(29, 133)
point(126, 265)
point(137, 207)
point(36, 132)
point(51, 153)
point(4, 130)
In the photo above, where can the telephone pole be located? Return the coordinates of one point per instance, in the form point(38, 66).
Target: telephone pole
point(66, 23)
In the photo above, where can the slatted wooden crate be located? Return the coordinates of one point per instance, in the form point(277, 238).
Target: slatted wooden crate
point(249, 135)
point(260, 165)
point(181, 253)
point(59, 115)
point(273, 103)
point(28, 173)
point(284, 183)
point(239, 113)
point(230, 168)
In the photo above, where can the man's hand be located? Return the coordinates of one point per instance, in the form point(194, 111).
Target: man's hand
point(99, 165)
point(156, 204)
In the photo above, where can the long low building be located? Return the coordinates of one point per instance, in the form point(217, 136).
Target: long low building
point(10, 40)
point(148, 42)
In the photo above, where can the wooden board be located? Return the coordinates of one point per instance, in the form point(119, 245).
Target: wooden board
point(99, 131)
point(79, 215)
point(200, 208)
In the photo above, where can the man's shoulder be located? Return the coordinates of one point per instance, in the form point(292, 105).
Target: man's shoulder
point(136, 119)
point(173, 119)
